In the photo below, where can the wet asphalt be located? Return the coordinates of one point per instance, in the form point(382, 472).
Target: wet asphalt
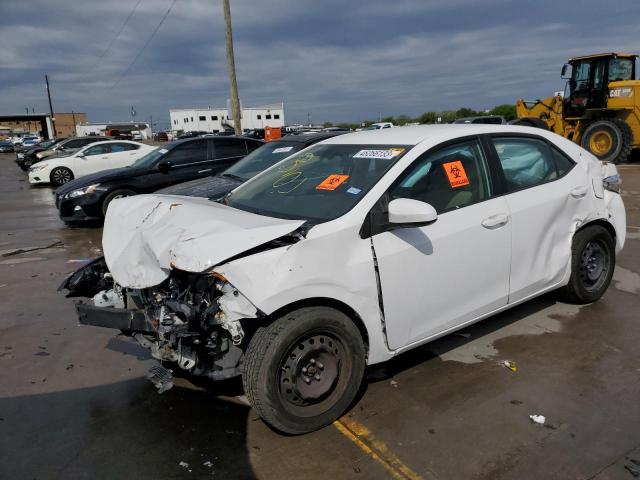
point(74, 401)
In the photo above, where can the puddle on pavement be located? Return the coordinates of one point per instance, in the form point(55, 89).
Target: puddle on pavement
point(482, 348)
point(626, 280)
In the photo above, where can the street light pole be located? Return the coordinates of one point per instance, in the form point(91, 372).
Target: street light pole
point(53, 120)
point(231, 66)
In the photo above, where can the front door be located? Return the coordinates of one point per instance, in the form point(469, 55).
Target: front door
point(94, 159)
point(440, 276)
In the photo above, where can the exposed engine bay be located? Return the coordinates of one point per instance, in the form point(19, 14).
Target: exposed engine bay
point(191, 321)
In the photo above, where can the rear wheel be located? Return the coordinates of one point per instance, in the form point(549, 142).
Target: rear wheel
point(593, 259)
point(304, 370)
point(60, 176)
point(121, 193)
point(609, 140)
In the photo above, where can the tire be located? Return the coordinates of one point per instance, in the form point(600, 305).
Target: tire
point(530, 122)
point(121, 193)
point(593, 260)
point(303, 371)
point(60, 176)
point(609, 140)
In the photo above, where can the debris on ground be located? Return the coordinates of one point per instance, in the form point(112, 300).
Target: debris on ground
point(510, 365)
point(516, 402)
point(632, 470)
point(27, 250)
point(208, 464)
point(70, 366)
point(394, 383)
point(538, 419)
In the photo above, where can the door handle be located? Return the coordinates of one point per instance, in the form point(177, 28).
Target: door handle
point(205, 170)
point(578, 192)
point(495, 221)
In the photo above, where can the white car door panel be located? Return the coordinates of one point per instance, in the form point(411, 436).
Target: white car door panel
point(436, 277)
point(430, 275)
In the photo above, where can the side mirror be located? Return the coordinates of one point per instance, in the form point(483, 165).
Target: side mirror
point(164, 166)
point(406, 212)
point(563, 72)
point(80, 155)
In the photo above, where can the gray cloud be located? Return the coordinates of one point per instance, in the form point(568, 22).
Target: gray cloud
point(334, 59)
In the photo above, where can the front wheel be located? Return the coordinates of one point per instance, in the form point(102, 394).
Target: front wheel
point(120, 193)
point(593, 259)
point(60, 176)
point(303, 371)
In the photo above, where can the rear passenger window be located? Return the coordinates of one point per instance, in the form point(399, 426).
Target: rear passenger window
point(188, 152)
point(563, 163)
point(229, 147)
point(526, 162)
point(448, 179)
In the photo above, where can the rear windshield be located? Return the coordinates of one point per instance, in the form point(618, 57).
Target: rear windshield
point(319, 184)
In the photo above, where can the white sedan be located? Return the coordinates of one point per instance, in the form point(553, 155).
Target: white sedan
point(350, 252)
point(90, 159)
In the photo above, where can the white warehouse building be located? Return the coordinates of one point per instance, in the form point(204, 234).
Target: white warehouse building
point(214, 120)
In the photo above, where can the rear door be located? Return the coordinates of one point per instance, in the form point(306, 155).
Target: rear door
point(546, 196)
point(95, 158)
point(227, 151)
point(123, 154)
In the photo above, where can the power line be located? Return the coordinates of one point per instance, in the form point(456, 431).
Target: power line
point(113, 40)
point(144, 47)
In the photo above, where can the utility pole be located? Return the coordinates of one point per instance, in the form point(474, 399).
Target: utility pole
point(231, 66)
point(53, 120)
point(75, 129)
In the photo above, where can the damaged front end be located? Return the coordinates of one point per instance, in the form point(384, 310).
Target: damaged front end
point(190, 321)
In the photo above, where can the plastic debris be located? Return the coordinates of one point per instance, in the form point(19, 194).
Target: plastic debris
point(394, 383)
point(538, 419)
point(208, 464)
point(510, 365)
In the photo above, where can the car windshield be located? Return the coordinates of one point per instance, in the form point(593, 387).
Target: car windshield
point(262, 158)
point(150, 158)
point(319, 184)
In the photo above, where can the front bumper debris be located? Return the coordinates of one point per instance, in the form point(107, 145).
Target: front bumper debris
point(118, 318)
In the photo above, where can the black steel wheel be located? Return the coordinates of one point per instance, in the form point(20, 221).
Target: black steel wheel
point(60, 176)
point(303, 371)
point(120, 193)
point(592, 263)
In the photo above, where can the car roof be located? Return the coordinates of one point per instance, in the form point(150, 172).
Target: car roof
point(112, 141)
point(415, 134)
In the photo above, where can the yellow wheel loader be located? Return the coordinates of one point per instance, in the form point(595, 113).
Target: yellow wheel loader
point(599, 109)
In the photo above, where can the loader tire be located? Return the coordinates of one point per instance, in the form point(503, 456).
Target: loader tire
point(609, 140)
point(530, 122)
point(304, 370)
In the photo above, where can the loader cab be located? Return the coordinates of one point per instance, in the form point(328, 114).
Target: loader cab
point(588, 81)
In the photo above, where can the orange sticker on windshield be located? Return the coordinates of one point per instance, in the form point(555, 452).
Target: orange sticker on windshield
point(332, 182)
point(456, 174)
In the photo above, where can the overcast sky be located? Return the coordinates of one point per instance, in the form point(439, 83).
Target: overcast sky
point(338, 60)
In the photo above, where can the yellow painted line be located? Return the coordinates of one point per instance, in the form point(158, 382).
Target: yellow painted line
point(375, 449)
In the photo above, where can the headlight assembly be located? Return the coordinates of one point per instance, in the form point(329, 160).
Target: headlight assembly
point(613, 183)
point(83, 191)
point(37, 167)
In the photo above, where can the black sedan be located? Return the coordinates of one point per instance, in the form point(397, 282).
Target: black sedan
point(269, 154)
point(88, 197)
point(6, 147)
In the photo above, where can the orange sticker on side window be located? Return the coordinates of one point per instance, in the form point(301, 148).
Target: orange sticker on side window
point(332, 182)
point(456, 174)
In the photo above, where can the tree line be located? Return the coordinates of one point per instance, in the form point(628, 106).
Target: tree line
point(506, 110)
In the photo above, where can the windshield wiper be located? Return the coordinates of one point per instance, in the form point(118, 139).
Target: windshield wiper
point(234, 177)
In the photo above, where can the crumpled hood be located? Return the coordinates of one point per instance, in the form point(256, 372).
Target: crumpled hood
point(145, 236)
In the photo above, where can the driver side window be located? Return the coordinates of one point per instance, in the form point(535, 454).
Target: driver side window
point(449, 178)
point(97, 150)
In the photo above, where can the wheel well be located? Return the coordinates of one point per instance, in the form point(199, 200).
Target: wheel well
point(602, 223)
point(325, 302)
